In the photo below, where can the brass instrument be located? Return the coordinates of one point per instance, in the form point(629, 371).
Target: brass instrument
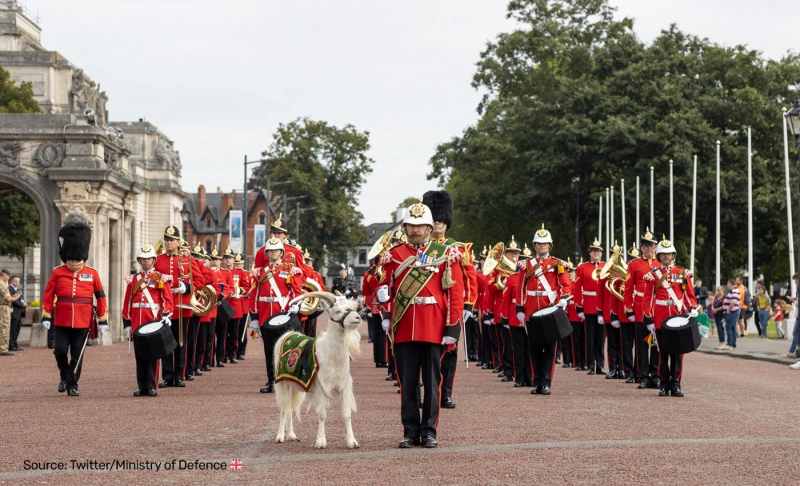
point(497, 260)
point(203, 300)
point(616, 271)
point(310, 305)
point(159, 248)
point(380, 247)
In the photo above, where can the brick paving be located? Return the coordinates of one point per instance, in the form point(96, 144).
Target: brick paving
point(737, 425)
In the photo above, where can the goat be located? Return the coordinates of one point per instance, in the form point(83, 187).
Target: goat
point(334, 350)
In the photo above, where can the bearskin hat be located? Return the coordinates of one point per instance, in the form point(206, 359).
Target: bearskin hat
point(441, 205)
point(74, 238)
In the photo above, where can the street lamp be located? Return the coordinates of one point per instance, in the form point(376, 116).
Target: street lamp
point(296, 213)
point(793, 117)
point(576, 180)
point(185, 214)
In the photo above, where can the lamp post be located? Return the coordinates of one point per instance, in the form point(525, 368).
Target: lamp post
point(576, 180)
point(297, 219)
point(793, 117)
point(185, 214)
point(296, 214)
point(245, 201)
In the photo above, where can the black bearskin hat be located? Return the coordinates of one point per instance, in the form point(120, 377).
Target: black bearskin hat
point(441, 205)
point(74, 238)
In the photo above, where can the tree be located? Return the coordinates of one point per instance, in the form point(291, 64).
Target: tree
point(20, 228)
point(328, 166)
point(573, 92)
point(16, 99)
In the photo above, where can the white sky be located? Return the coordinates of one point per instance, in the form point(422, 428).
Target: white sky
point(218, 77)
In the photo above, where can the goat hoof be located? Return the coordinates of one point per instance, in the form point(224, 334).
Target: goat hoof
point(293, 438)
point(279, 440)
point(354, 445)
point(321, 445)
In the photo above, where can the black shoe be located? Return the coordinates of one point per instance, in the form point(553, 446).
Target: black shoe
point(207, 368)
point(643, 384)
point(519, 384)
point(584, 368)
point(630, 380)
point(233, 360)
point(409, 442)
point(139, 393)
point(268, 389)
point(429, 443)
point(220, 365)
point(600, 371)
point(240, 358)
point(536, 390)
point(507, 378)
point(16, 349)
point(152, 393)
point(396, 383)
point(657, 384)
point(496, 370)
point(558, 360)
point(620, 375)
point(198, 372)
point(180, 383)
point(677, 392)
point(381, 365)
point(73, 392)
point(579, 368)
point(448, 403)
point(611, 375)
point(62, 386)
point(390, 377)
point(545, 390)
point(189, 378)
point(166, 384)
point(566, 365)
point(590, 372)
point(663, 393)
point(485, 366)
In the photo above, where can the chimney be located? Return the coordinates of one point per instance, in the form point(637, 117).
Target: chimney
point(201, 199)
point(226, 204)
point(400, 213)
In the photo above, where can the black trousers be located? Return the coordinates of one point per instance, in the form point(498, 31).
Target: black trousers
point(448, 368)
point(567, 353)
point(209, 343)
point(191, 344)
point(522, 363)
point(310, 329)
point(412, 359)
point(595, 342)
point(232, 335)
point(670, 369)
point(146, 371)
point(174, 364)
point(471, 336)
point(220, 329)
point(270, 335)
point(494, 337)
point(202, 344)
point(378, 338)
point(390, 354)
point(68, 339)
point(646, 355)
point(13, 333)
point(627, 331)
point(578, 344)
point(508, 351)
point(51, 335)
point(485, 346)
point(543, 358)
point(614, 348)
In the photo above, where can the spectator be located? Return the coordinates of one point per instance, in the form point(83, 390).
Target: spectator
point(17, 313)
point(5, 312)
point(700, 293)
point(763, 304)
point(793, 318)
point(743, 298)
point(731, 311)
point(703, 323)
point(718, 311)
point(777, 316)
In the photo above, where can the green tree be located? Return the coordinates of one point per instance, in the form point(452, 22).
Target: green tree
point(327, 165)
point(573, 92)
point(20, 228)
point(16, 99)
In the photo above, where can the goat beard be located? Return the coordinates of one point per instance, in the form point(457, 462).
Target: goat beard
point(419, 240)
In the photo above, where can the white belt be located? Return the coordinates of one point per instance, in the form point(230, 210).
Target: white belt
point(424, 300)
point(268, 299)
point(666, 302)
point(141, 305)
point(590, 292)
point(539, 293)
point(637, 293)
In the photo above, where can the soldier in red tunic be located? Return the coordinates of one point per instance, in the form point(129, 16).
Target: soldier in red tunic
point(76, 287)
point(515, 327)
point(184, 276)
point(484, 348)
point(245, 283)
point(276, 230)
point(147, 298)
point(425, 283)
point(572, 345)
point(586, 286)
point(668, 292)
point(276, 284)
point(646, 359)
point(606, 307)
point(233, 329)
point(310, 324)
point(545, 283)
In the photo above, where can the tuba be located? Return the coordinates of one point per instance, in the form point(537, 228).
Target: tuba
point(497, 260)
point(310, 304)
point(616, 271)
point(380, 247)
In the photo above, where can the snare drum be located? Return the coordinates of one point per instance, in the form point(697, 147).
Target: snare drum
point(283, 322)
point(548, 325)
point(678, 335)
point(225, 312)
point(154, 340)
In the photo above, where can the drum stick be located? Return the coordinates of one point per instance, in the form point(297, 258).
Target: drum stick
point(244, 331)
point(78, 363)
point(129, 345)
point(655, 340)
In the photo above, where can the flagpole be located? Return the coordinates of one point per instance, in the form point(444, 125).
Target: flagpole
point(608, 221)
point(671, 213)
point(636, 236)
point(599, 223)
point(694, 213)
point(788, 206)
point(612, 227)
point(718, 225)
point(652, 190)
point(622, 201)
point(751, 280)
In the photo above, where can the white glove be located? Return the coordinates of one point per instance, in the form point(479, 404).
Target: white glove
point(46, 325)
point(294, 309)
point(182, 288)
point(600, 319)
point(253, 324)
point(615, 324)
point(465, 316)
point(521, 316)
point(254, 272)
point(487, 322)
point(506, 326)
point(563, 303)
point(651, 328)
point(166, 321)
point(693, 312)
point(492, 321)
point(385, 325)
point(128, 278)
point(102, 328)
point(383, 294)
point(128, 333)
point(448, 340)
point(581, 315)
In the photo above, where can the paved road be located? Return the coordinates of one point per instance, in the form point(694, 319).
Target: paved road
point(738, 424)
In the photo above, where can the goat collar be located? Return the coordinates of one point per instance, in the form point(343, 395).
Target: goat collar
point(341, 322)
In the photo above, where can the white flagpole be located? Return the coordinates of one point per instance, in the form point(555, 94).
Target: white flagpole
point(718, 225)
point(694, 213)
point(608, 221)
point(636, 236)
point(599, 223)
point(652, 190)
point(622, 200)
point(750, 270)
point(612, 227)
point(671, 218)
point(788, 205)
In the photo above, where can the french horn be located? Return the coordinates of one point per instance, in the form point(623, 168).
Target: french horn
point(203, 300)
point(310, 304)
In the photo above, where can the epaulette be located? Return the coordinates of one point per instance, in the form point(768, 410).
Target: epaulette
point(62, 265)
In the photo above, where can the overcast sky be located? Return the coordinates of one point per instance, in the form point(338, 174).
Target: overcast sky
point(218, 77)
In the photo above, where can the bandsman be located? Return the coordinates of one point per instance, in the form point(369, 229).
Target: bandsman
point(484, 348)
point(516, 332)
point(311, 321)
point(369, 284)
point(291, 253)
point(572, 345)
point(606, 308)
point(586, 284)
point(646, 356)
point(245, 285)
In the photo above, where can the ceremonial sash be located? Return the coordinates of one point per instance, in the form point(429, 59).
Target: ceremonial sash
point(551, 295)
point(668, 287)
point(413, 282)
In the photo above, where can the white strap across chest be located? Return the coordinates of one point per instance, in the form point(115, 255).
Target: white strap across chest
point(668, 287)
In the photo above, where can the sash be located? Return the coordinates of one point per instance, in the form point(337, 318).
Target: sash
point(281, 299)
point(668, 287)
point(551, 295)
point(414, 281)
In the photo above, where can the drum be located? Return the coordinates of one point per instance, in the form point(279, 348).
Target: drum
point(283, 322)
point(154, 340)
point(225, 312)
point(548, 325)
point(679, 335)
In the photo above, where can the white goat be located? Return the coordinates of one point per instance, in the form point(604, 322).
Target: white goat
point(334, 349)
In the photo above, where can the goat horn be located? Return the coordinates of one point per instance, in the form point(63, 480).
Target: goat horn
point(322, 295)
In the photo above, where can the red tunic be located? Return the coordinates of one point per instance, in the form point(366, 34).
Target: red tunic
point(137, 309)
point(483, 290)
point(210, 279)
point(533, 294)
point(426, 322)
point(168, 266)
point(76, 292)
point(239, 279)
point(658, 303)
point(509, 300)
point(634, 285)
point(586, 287)
point(288, 283)
point(299, 261)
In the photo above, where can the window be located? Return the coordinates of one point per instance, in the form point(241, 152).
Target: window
point(209, 222)
point(362, 257)
point(208, 246)
point(262, 218)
